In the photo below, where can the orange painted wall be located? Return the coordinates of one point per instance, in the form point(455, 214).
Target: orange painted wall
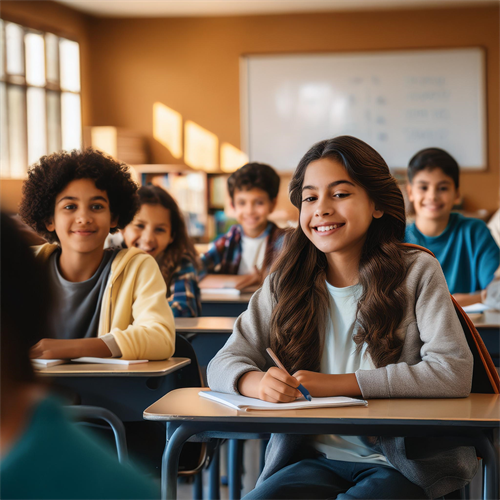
point(192, 65)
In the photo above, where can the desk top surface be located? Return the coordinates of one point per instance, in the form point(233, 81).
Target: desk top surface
point(150, 369)
point(186, 404)
point(220, 324)
point(229, 298)
point(487, 319)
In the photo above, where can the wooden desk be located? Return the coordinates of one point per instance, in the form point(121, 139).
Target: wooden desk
point(468, 421)
point(487, 319)
point(218, 324)
point(150, 369)
point(224, 304)
point(124, 390)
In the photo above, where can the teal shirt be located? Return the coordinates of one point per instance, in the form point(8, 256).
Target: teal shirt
point(55, 459)
point(466, 251)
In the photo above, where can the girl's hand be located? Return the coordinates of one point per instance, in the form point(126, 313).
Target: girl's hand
point(322, 385)
point(274, 386)
point(466, 299)
point(69, 348)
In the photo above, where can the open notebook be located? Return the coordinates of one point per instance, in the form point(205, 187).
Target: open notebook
point(247, 404)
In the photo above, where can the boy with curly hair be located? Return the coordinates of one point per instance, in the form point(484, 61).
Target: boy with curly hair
point(250, 246)
point(110, 302)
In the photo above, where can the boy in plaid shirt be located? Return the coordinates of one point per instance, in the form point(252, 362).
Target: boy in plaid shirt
point(250, 246)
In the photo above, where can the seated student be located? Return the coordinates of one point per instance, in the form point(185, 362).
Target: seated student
point(159, 229)
point(111, 302)
point(350, 311)
point(464, 247)
point(43, 455)
point(249, 247)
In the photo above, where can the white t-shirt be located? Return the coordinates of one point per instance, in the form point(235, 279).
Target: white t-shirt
point(253, 251)
point(339, 357)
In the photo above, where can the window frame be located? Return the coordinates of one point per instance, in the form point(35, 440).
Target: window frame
point(20, 81)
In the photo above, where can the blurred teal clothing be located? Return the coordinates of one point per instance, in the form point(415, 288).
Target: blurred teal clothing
point(466, 251)
point(55, 459)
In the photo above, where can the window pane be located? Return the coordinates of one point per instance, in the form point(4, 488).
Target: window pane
point(35, 59)
point(17, 130)
point(2, 48)
point(52, 51)
point(15, 49)
point(54, 121)
point(4, 135)
point(70, 65)
point(71, 121)
point(37, 136)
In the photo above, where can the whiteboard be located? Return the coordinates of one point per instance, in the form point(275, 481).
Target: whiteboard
point(398, 102)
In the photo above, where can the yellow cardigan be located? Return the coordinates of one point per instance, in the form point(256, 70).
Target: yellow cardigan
point(134, 307)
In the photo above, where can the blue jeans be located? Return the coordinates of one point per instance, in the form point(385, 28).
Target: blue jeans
point(320, 478)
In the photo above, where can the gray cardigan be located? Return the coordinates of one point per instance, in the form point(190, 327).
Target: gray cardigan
point(435, 363)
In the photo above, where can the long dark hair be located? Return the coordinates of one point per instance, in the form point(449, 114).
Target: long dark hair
point(298, 282)
point(25, 286)
point(181, 246)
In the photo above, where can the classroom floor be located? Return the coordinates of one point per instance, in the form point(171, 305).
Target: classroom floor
point(250, 475)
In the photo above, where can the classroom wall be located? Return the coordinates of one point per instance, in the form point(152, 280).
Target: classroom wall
point(58, 19)
point(192, 66)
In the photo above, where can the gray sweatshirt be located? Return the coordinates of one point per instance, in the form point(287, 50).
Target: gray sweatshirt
point(435, 363)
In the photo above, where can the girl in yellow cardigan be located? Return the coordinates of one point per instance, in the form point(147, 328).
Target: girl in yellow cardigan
point(110, 302)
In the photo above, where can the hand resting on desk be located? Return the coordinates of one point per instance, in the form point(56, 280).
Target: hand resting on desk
point(69, 348)
point(276, 386)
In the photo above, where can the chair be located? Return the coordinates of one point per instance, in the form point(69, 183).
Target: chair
point(85, 413)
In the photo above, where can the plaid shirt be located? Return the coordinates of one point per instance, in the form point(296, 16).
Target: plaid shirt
point(184, 298)
point(224, 256)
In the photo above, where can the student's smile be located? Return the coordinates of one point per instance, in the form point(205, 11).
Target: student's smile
point(252, 208)
point(433, 194)
point(335, 212)
point(150, 230)
point(82, 217)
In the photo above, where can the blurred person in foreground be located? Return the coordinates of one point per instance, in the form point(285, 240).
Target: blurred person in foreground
point(43, 455)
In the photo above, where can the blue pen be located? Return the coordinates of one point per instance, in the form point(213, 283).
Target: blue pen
point(278, 363)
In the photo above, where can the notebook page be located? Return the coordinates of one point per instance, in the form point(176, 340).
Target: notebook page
point(247, 404)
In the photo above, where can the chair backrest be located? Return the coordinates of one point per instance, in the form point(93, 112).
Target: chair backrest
point(485, 377)
point(189, 376)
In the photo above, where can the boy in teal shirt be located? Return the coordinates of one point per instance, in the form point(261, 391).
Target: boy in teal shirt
point(464, 246)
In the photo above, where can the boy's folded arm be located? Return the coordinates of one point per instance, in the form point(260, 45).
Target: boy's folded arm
point(246, 348)
point(152, 332)
point(445, 369)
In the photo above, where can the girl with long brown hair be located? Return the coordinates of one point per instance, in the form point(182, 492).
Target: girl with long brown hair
point(350, 311)
point(159, 229)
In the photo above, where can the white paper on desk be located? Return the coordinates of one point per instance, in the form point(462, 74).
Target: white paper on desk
point(220, 291)
point(475, 308)
point(110, 361)
point(44, 363)
point(247, 404)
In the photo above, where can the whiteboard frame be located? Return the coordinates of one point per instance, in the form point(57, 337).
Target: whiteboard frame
point(245, 108)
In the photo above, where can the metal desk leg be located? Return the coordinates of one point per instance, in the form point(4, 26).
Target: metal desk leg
point(235, 466)
point(214, 476)
point(170, 460)
point(490, 468)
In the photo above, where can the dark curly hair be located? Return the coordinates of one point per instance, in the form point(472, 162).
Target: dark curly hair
point(254, 175)
point(52, 173)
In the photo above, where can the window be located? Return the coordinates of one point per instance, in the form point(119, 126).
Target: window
point(40, 103)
